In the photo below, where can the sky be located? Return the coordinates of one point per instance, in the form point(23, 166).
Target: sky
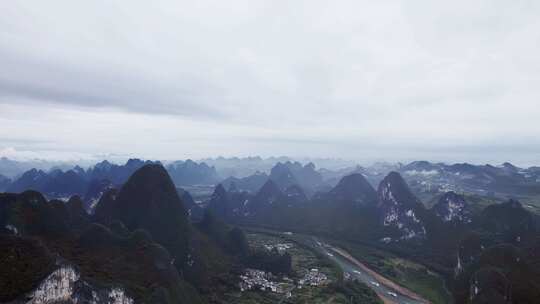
point(449, 81)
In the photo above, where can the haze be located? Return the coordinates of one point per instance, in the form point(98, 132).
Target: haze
point(393, 80)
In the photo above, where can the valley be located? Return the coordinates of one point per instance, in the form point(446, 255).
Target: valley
point(314, 277)
point(389, 289)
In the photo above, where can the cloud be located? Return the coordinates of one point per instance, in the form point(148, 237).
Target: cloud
point(22, 155)
point(271, 77)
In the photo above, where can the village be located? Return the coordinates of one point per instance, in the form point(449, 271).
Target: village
point(255, 279)
point(281, 247)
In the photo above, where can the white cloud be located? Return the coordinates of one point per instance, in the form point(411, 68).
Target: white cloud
point(357, 79)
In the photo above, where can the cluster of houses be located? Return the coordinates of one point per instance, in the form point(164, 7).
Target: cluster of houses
point(313, 278)
point(254, 279)
point(281, 248)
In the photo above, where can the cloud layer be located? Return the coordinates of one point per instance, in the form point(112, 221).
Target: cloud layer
point(356, 79)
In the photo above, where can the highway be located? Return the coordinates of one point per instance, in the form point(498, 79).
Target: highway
point(388, 291)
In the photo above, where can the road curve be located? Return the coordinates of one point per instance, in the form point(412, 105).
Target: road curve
point(388, 291)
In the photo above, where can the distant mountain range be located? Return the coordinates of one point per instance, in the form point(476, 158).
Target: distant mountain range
point(506, 179)
point(91, 183)
point(250, 183)
point(394, 217)
point(191, 173)
point(14, 168)
point(488, 252)
point(426, 180)
point(56, 183)
point(240, 167)
point(399, 211)
point(284, 175)
point(244, 166)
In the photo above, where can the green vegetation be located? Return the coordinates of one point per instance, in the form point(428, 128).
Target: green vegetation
point(531, 204)
point(25, 262)
point(423, 281)
point(106, 260)
point(350, 292)
point(144, 244)
point(271, 261)
point(303, 259)
point(479, 203)
point(346, 293)
point(354, 292)
point(336, 291)
point(497, 268)
point(413, 276)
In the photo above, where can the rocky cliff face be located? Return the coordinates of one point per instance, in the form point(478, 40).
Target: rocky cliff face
point(58, 286)
point(95, 191)
point(64, 285)
point(452, 207)
point(400, 209)
point(488, 286)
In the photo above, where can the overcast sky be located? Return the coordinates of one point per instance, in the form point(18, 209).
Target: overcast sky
point(363, 80)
